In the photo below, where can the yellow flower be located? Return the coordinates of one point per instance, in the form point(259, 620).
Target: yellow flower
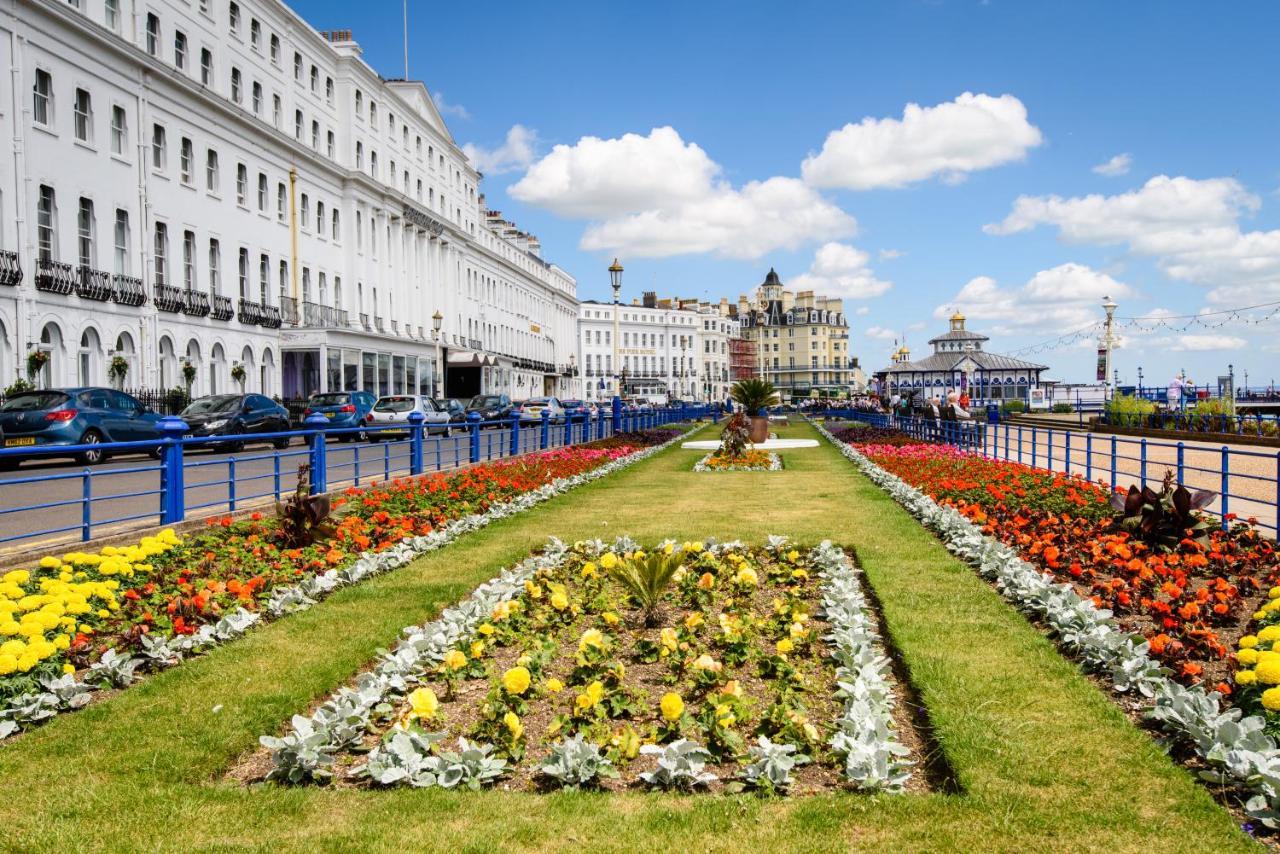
point(1273, 593)
point(793, 555)
point(516, 680)
point(50, 562)
point(731, 689)
point(746, 575)
point(672, 706)
point(455, 660)
point(477, 649)
point(1269, 633)
point(668, 548)
point(8, 663)
point(589, 570)
point(68, 668)
point(534, 591)
point(423, 703)
point(486, 629)
point(668, 640)
point(608, 560)
point(610, 618)
point(554, 686)
point(1248, 642)
point(692, 621)
point(1246, 677)
point(627, 740)
point(639, 555)
point(591, 638)
point(799, 574)
point(1247, 656)
point(785, 646)
point(707, 663)
point(590, 698)
point(1268, 671)
point(1271, 699)
point(513, 725)
point(696, 546)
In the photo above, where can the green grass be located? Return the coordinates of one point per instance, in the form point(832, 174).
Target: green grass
point(1043, 759)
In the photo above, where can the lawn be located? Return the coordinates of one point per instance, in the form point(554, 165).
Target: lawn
point(1040, 758)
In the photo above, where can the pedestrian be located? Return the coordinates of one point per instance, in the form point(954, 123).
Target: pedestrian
point(964, 399)
point(1173, 394)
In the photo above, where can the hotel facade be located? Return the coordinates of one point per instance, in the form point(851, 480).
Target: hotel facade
point(216, 184)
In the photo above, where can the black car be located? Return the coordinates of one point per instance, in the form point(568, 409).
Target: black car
point(457, 411)
point(239, 416)
point(491, 407)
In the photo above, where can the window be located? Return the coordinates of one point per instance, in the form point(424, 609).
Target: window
point(42, 98)
point(262, 192)
point(335, 223)
point(206, 67)
point(235, 85)
point(264, 273)
point(85, 228)
point(161, 254)
point(373, 114)
point(255, 34)
point(215, 267)
point(328, 89)
point(275, 111)
point(111, 14)
point(46, 228)
point(306, 211)
point(315, 134)
point(159, 148)
point(122, 242)
point(257, 98)
point(153, 33)
point(179, 50)
point(275, 49)
point(243, 273)
point(419, 189)
point(242, 184)
point(186, 154)
point(417, 144)
point(359, 103)
point(297, 66)
point(315, 78)
point(359, 230)
point(284, 278)
point(189, 260)
point(297, 125)
point(119, 130)
point(281, 202)
point(83, 116)
point(211, 171)
point(329, 144)
point(373, 163)
point(359, 155)
point(320, 218)
point(233, 18)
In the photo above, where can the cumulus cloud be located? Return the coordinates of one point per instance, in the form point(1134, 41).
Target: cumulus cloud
point(862, 310)
point(1190, 227)
point(839, 269)
point(658, 196)
point(1118, 165)
point(1060, 299)
point(516, 152)
point(890, 254)
point(1203, 343)
point(880, 333)
point(950, 140)
point(448, 109)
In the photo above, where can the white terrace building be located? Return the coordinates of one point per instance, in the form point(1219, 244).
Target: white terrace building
point(217, 183)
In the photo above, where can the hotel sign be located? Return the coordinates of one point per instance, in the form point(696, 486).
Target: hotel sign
point(423, 220)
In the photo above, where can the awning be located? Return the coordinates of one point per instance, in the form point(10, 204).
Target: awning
point(468, 359)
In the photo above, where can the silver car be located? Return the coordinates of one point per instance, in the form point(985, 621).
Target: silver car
point(531, 410)
point(394, 410)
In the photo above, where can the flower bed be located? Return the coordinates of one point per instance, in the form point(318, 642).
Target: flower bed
point(746, 461)
point(113, 614)
point(859, 434)
point(756, 667)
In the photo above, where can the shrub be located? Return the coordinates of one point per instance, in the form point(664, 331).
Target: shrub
point(1063, 408)
point(646, 579)
point(1011, 406)
point(1125, 409)
point(1164, 519)
point(754, 394)
point(304, 518)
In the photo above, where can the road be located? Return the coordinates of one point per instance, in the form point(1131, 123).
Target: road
point(125, 491)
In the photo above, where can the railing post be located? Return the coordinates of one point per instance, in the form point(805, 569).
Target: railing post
point(1142, 462)
point(617, 415)
point(86, 509)
point(1066, 436)
point(172, 488)
point(1181, 453)
point(231, 483)
point(1049, 465)
point(546, 428)
point(1113, 462)
point(1088, 457)
point(319, 467)
point(416, 420)
point(473, 425)
point(586, 425)
point(514, 421)
point(1226, 485)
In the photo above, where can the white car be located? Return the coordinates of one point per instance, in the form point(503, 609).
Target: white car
point(531, 410)
point(394, 410)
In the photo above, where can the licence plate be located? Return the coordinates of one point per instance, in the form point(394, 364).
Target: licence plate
point(16, 443)
point(330, 414)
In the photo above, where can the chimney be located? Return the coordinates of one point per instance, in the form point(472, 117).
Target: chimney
point(650, 299)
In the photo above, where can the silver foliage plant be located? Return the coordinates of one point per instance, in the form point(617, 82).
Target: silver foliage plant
point(575, 762)
point(775, 464)
point(771, 764)
point(409, 757)
point(158, 652)
point(1238, 752)
point(681, 765)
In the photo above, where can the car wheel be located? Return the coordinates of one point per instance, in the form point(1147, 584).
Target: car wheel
point(93, 456)
point(281, 443)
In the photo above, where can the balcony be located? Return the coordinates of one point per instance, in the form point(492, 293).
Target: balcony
point(289, 311)
point(270, 316)
point(364, 322)
point(10, 269)
point(55, 277)
point(223, 308)
point(377, 323)
point(195, 303)
point(128, 290)
point(320, 316)
point(250, 312)
point(93, 284)
point(169, 298)
point(395, 327)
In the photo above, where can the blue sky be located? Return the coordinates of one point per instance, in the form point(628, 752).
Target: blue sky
point(988, 201)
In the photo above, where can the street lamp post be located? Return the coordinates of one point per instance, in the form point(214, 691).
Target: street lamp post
point(1109, 306)
point(1139, 380)
point(615, 280)
point(438, 379)
point(573, 375)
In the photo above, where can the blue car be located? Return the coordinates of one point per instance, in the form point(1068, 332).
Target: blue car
point(343, 409)
point(74, 416)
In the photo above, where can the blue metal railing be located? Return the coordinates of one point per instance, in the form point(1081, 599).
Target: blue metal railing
point(183, 483)
point(1247, 481)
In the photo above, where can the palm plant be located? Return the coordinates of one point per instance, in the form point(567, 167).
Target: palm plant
point(646, 579)
point(754, 394)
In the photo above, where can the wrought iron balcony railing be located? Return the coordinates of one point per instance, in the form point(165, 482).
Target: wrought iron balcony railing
point(128, 290)
point(195, 303)
point(223, 308)
point(169, 298)
point(10, 269)
point(55, 276)
point(93, 284)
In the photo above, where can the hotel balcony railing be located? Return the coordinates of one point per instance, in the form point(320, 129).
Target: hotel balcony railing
point(270, 316)
point(377, 323)
point(364, 322)
point(223, 308)
point(323, 316)
point(289, 311)
point(250, 312)
point(10, 269)
point(55, 276)
point(395, 326)
point(168, 298)
point(195, 303)
point(128, 290)
point(93, 284)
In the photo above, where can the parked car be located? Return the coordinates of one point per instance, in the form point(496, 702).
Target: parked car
point(578, 407)
point(395, 409)
point(490, 407)
point(236, 416)
point(343, 409)
point(75, 416)
point(457, 412)
point(531, 410)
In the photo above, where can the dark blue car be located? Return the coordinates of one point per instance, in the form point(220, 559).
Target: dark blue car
point(343, 409)
point(73, 416)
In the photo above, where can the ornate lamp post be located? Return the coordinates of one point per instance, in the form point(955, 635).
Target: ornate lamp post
point(1108, 339)
point(615, 280)
point(438, 380)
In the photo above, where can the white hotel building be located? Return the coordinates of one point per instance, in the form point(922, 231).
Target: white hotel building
point(217, 183)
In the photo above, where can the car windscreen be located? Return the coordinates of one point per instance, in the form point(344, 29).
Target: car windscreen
point(33, 401)
point(484, 402)
point(213, 403)
point(536, 401)
point(330, 399)
point(393, 404)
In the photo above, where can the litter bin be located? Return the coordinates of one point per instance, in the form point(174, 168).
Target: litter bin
point(993, 413)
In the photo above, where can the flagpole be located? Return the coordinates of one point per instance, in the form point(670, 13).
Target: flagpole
point(406, 39)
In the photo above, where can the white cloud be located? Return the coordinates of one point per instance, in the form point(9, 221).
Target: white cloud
point(516, 152)
point(1118, 165)
point(1204, 343)
point(1061, 299)
point(1190, 227)
point(657, 196)
point(890, 254)
point(839, 269)
point(862, 310)
point(972, 132)
point(880, 333)
point(448, 109)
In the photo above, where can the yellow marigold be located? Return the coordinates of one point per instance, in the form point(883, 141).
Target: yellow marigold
point(1268, 671)
point(608, 560)
point(1271, 699)
point(785, 646)
point(512, 722)
point(1248, 642)
point(554, 686)
point(1247, 656)
point(50, 562)
point(423, 703)
point(1269, 633)
point(68, 668)
point(1273, 593)
point(672, 706)
point(8, 663)
point(1246, 677)
point(516, 680)
point(455, 660)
